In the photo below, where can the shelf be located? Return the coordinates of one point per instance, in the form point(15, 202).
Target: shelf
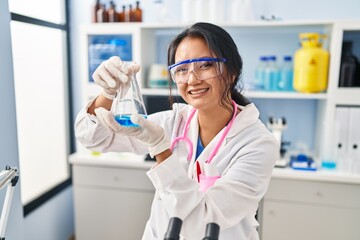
point(159, 92)
point(285, 95)
point(320, 175)
point(254, 38)
point(94, 90)
point(249, 94)
point(181, 25)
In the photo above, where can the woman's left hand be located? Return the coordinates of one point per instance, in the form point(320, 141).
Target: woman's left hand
point(149, 133)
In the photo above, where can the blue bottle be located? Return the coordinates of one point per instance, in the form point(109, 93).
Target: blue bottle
point(286, 75)
point(271, 75)
point(260, 73)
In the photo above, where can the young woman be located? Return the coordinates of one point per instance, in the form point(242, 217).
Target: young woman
point(214, 157)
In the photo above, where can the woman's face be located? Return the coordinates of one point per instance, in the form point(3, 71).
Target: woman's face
point(201, 94)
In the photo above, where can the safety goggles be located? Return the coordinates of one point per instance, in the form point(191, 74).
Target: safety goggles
point(202, 68)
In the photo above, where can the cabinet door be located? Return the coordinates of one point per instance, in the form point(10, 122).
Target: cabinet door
point(111, 214)
point(299, 221)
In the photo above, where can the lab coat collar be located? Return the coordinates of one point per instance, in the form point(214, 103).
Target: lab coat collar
point(248, 115)
point(193, 135)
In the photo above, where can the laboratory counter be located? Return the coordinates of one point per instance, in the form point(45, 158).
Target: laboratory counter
point(129, 160)
point(114, 188)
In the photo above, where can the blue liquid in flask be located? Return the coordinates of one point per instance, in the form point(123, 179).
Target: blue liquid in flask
point(124, 120)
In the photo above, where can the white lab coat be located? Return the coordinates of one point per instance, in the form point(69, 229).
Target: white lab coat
point(245, 162)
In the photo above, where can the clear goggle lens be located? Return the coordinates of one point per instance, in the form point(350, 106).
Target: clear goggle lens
point(202, 68)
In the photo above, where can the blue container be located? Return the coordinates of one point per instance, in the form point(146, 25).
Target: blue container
point(271, 75)
point(260, 73)
point(286, 75)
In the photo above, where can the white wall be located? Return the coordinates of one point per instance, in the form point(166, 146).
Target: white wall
point(8, 137)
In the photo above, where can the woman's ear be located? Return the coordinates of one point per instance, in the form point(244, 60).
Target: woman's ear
point(233, 78)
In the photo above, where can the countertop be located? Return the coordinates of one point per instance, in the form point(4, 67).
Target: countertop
point(125, 160)
point(130, 160)
point(319, 175)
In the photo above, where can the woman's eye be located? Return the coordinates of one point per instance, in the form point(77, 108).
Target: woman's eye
point(206, 65)
point(181, 71)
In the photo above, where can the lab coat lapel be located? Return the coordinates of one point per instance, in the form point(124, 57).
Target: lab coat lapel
point(207, 151)
point(193, 135)
point(248, 115)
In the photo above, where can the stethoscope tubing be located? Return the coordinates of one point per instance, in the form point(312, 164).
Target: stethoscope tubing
point(189, 143)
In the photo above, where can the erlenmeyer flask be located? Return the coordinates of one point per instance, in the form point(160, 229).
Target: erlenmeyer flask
point(128, 101)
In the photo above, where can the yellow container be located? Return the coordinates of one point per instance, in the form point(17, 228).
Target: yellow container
point(311, 64)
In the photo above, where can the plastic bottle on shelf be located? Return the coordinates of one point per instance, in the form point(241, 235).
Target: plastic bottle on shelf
point(240, 11)
point(234, 14)
point(311, 64)
point(128, 14)
point(138, 12)
point(201, 10)
point(187, 11)
point(260, 73)
point(216, 11)
point(122, 14)
point(286, 75)
point(113, 15)
point(271, 75)
point(94, 10)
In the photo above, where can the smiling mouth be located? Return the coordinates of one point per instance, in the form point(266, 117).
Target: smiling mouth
point(196, 92)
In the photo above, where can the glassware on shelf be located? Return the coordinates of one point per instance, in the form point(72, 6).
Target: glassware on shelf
point(113, 15)
point(102, 14)
point(94, 10)
point(137, 12)
point(122, 14)
point(129, 15)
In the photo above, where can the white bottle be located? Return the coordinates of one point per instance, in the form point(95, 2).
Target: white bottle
point(240, 11)
point(201, 10)
point(216, 11)
point(248, 11)
point(187, 11)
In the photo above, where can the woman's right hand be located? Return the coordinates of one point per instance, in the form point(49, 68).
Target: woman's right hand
point(113, 74)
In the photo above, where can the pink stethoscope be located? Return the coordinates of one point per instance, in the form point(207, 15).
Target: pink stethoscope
point(189, 143)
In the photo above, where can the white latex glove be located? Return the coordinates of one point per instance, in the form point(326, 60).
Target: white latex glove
point(149, 133)
point(113, 74)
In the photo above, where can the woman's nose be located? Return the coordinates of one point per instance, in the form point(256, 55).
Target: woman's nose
point(193, 79)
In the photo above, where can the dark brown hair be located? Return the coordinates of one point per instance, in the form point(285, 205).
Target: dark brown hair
point(221, 44)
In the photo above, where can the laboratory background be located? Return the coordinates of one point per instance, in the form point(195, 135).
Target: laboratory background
point(54, 189)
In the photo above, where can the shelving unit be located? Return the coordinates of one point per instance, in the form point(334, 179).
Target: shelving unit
point(249, 94)
point(310, 197)
point(336, 95)
point(150, 41)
